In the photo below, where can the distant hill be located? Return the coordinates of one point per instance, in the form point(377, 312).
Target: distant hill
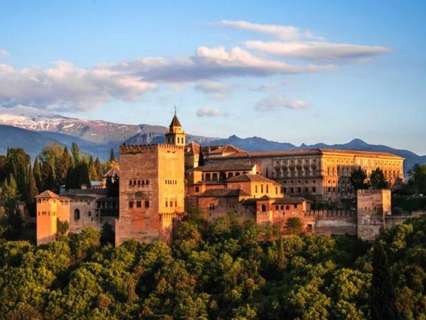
point(33, 142)
point(96, 131)
point(96, 137)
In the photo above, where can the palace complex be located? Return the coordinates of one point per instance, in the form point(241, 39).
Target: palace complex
point(159, 183)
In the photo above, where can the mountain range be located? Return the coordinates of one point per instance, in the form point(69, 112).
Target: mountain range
point(33, 131)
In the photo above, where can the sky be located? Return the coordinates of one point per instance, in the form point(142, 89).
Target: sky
point(291, 71)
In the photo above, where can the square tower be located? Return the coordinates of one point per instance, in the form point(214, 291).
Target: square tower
point(152, 188)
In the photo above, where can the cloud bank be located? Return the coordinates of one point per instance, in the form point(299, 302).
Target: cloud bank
point(274, 103)
point(209, 112)
point(65, 86)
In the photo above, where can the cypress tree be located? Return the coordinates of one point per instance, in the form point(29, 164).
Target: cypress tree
point(32, 192)
point(37, 174)
point(75, 151)
point(382, 294)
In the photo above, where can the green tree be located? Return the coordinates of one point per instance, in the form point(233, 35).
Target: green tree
point(75, 151)
point(294, 225)
point(417, 179)
point(37, 175)
point(107, 234)
point(359, 179)
point(378, 180)
point(382, 294)
point(17, 165)
point(31, 193)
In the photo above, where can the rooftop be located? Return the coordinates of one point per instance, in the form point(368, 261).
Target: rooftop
point(250, 178)
point(224, 193)
point(237, 165)
point(309, 151)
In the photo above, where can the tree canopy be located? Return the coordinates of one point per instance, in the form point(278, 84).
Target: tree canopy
point(221, 270)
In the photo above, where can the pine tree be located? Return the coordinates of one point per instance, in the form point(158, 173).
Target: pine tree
point(64, 164)
point(382, 294)
point(10, 193)
point(98, 168)
point(75, 151)
point(378, 180)
point(358, 179)
point(32, 192)
point(37, 174)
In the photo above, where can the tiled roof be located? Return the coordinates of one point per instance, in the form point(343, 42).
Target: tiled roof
point(250, 177)
point(308, 151)
point(238, 165)
point(223, 193)
point(175, 122)
point(81, 192)
point(193, 147)
point(48, 194)
point(290, 200)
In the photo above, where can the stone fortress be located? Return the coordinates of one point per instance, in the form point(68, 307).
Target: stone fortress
point(159, 183)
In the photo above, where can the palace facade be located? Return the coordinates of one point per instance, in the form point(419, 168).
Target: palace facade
point(158, 183)
point(320, 174)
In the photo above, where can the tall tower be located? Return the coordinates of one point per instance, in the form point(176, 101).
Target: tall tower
point(176, 135)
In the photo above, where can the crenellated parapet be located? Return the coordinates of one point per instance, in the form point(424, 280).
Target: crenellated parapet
point(328, 214)
point(140, 148)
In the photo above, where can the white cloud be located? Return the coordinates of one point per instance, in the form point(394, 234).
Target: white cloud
point(279, 102)
point(65, 86)
point(280, 31)
point(214, 89)
point(209, 112)
point(301, 44)
point(210, 63)
point(313, 50)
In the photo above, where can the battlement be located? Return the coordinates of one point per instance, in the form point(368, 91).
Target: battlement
point(138, 148)
point(324, 214)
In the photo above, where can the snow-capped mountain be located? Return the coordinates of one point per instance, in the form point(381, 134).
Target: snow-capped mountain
point(97, 131)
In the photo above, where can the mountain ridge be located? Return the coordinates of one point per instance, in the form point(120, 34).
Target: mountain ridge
point(97, 137)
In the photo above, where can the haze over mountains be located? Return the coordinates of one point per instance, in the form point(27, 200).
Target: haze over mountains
point(33, 131)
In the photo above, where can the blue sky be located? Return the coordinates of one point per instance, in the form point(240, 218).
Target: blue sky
point(295, 71)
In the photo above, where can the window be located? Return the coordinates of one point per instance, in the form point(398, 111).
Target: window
point(89, 213)
point(263, 208)
point(171, 204)
point(130, 204)
point(146, 204)
point(295, 206)
point(287, 207)
point(314, 189)
point(255, 188)
point(267, 188)
point(167, 203)
point(197, 189)
point(138, 204)
point(76, 214)
point(261, 188)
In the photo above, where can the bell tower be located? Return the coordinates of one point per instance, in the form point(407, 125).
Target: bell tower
point(176, 135)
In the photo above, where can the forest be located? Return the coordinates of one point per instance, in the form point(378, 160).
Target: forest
point(220, 270)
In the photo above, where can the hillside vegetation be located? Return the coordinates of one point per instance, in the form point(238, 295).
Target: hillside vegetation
point(218, 271)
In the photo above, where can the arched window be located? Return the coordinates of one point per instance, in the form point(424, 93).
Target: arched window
point(76, 214)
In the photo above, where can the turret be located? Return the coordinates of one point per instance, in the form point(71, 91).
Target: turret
point(176, 135)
